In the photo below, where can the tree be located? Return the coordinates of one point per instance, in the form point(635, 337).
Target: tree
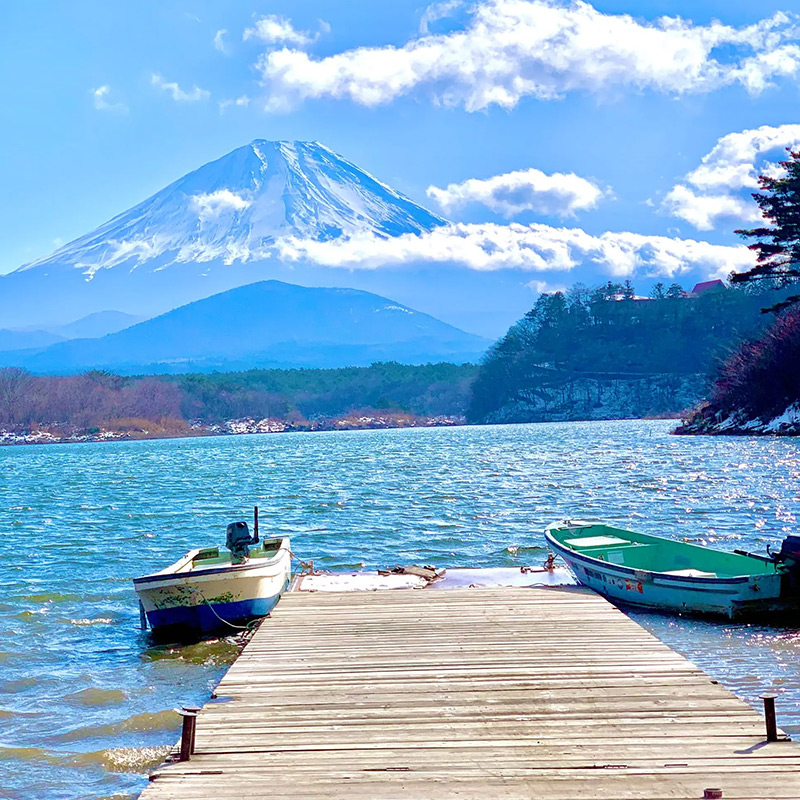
point(628, 292)
point(777, 246)
point(657, 292)
point(14, 385)
point(579, 296)
point(607, 291)
point(675, 291)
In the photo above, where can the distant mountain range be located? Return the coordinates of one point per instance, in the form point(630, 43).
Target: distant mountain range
point(90, 327)
point(95, 325)
point(212, 230)
point(265, 324)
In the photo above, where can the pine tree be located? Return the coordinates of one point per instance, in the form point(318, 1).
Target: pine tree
point(778, 245)
point(675, 291)
point(658, 292)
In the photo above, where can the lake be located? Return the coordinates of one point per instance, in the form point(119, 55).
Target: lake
point(85, 700)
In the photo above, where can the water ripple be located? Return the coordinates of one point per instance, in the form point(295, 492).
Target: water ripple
point(84, 698)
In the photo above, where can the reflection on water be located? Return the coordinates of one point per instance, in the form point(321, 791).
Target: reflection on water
point(85, 701)
point(748, 659)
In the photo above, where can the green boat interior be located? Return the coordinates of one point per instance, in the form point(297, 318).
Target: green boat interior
point(212, 557)
point(654, 554)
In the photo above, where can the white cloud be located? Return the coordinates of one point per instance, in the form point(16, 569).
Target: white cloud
point(239, 102)
point(178, 94)
point(102, 101)
point(436, 12)
point(219, 40)
point(560, 194)
point(274, 29)
point(510, 49)
point(704, 210)
point(755, 72)
point(211, 205)
point(543, 287)
point(535, 247)
point(720, 187)
point(732, 161)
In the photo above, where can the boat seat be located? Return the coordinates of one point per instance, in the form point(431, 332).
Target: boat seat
point(690, 573)
point(597, 541)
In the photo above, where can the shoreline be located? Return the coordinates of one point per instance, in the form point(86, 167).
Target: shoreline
point(55, 434)
point(706, 422)
point(683, 430)
point(62, 434)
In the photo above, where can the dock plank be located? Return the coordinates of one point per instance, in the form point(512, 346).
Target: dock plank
point(505, 693)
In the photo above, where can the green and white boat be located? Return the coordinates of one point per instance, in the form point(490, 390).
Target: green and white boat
point(653, 572)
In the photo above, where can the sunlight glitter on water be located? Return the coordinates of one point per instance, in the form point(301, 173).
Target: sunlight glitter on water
point(85, 700)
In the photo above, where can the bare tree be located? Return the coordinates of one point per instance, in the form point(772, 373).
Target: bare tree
point(14, 386)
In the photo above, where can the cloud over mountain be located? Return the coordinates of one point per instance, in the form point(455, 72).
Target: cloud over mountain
point(237, 207)
point(271, 208)
point(535, 247)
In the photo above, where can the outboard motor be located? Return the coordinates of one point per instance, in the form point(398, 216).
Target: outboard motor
point(789, 556)
point(790, 549)
point(238, 541)
point(790, 552)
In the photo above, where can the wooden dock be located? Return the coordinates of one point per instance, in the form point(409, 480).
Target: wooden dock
point(473, 694)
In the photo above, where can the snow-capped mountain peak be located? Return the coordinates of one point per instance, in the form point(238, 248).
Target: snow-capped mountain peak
point(237, 207)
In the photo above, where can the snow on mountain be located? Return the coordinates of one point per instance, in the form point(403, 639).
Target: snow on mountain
point(235, 208)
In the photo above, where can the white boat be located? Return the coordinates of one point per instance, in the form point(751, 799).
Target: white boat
point(211, 591)
point(654, 572)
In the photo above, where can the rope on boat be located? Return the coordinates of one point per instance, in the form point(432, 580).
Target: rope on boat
point(247, 627)
point(306, 567)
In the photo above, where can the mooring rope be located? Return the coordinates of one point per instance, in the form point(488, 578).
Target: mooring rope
point(247, 627)
point(307, 569)
point(306, 566)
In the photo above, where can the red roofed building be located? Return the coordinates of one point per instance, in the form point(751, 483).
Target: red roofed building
point(706, 286)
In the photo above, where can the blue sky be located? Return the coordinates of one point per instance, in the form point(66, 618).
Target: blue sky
point(105, 103)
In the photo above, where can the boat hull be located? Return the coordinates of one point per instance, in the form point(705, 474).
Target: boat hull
point(732, 597)
point(209, 619)
point(212, 601)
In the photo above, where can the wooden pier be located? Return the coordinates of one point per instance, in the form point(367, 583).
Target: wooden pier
point(475, 694)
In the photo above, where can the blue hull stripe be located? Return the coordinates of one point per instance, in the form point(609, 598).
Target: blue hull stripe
point(202, 619)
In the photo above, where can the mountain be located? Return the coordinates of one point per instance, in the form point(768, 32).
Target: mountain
point(91, 327)
point(265, 324)
point(209, 231)
point(20, 340)
point(95, 325)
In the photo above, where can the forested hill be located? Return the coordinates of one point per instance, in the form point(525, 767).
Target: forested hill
point(99, 403)
point(608, 353)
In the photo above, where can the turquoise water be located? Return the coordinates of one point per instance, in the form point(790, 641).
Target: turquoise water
point(85, 701)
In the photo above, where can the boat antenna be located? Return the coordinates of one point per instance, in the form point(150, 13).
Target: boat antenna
point(255, 525)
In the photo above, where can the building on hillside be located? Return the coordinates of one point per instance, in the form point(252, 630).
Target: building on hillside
point(706, 286)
